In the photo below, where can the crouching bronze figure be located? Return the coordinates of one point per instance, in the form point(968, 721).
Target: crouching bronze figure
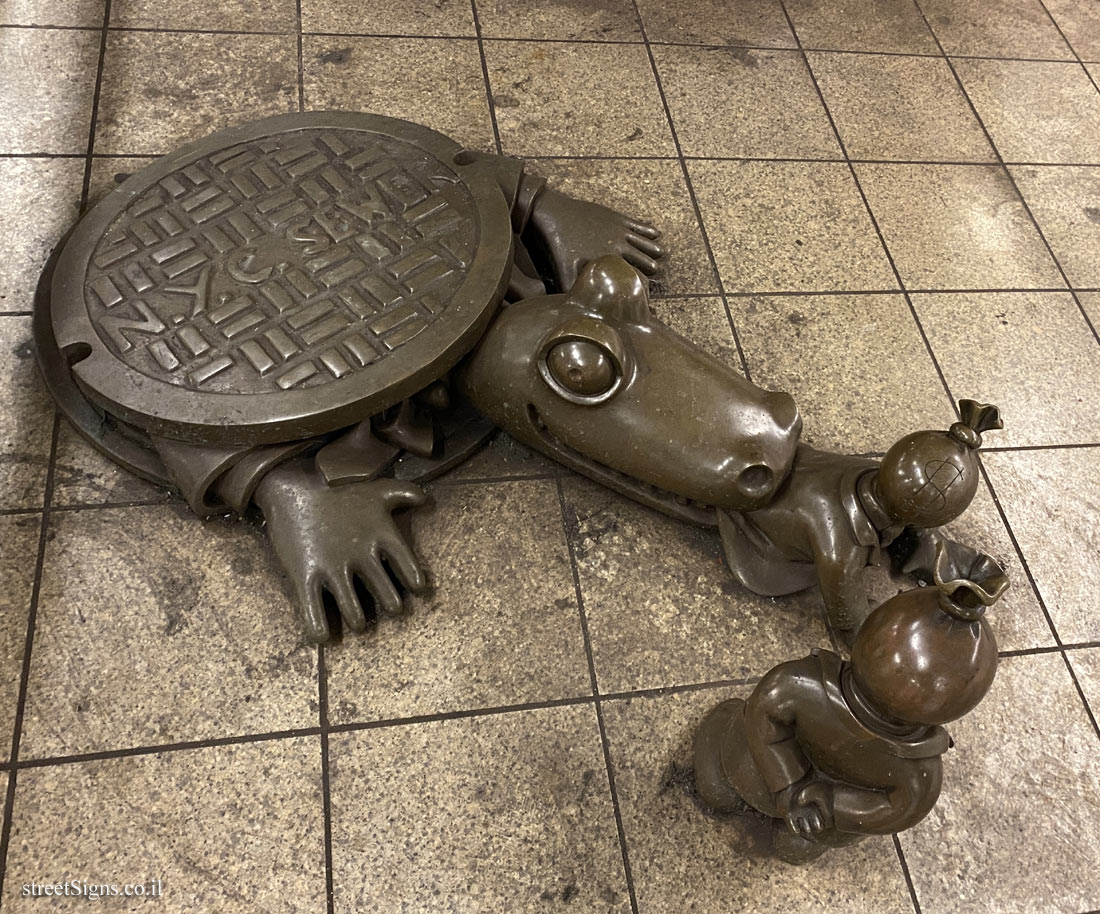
point(832, 751)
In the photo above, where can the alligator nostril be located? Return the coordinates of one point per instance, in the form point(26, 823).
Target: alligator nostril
point(755, 480)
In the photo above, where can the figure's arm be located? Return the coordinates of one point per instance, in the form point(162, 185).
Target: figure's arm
point(770, 719)
point(863, 811)
point(840, 568)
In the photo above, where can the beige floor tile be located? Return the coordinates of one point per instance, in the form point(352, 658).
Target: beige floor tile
point(606, 20)
point(229, 828)
point(19, 534)
point(1012, 832)
point(789, 226)
point(500, 627)
point(1017, 618)
point(663, 608)
point(995, 28)
point(1030, 353)
point(687, 861)
point(390, 17)
point(436, 83)
point(1079, 20)
point(1065, 201)
point(503, 813)
point(651, 190)
point(906, 108)
point(758, 23)
point(26, 422)
point(161, 89)
point(86, 13)
point(576, 99)
point(154, 627)
point(1050, 498)
point(234, 15)
point(1086, 667)
point(46, 81)
point(957, 227)
point(1090, 302)
point(737, 102)
point(40, 201)
point(704, 321)
point(861, 25)
point(1036, 112)
point(84, 476)
point(832, 354)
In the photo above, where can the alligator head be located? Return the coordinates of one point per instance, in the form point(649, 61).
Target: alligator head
point(593, 380)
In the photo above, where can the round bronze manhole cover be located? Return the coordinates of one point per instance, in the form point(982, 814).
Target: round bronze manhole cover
point(281, 279)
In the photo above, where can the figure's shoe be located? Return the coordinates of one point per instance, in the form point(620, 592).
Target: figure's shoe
point(711, 785)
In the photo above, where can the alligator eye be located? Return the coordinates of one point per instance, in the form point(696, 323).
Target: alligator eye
point(583, 367)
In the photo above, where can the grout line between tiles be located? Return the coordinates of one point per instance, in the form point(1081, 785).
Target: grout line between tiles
point(1011, 178)
point(715, 272)
point(326, 780)
point(301, 65)
point(28, 644)
point(597, 704)
point(908, 876)
point(485, 77)
point(1069, 45)
point(86, 186)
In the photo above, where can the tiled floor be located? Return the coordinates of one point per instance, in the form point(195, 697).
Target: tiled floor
point(878, 205)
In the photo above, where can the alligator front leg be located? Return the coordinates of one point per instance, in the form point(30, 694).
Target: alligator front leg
point(327, 536)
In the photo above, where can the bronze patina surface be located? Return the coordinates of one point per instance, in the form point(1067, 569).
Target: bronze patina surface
point(282, 279)
point(831, 751)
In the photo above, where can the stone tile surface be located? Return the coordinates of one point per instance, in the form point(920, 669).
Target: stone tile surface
point(604, 20)
point(500, 627)
point(84, 476)
point(744, 103)
point(19, 534)
point(576, 99)
point(795, 226)
point(389, 17)
point(435, 83)
point(227, 828)
point(996, 28)
point(87, 13)
point(154, 627)
point(687, 861)
point(47, 77)
point(1079, 21)
point(1086, 667)
point(704, 321)
point(957, 227)
point(828, 352)
point(1065, 201)
point(1050, 498)
point(503, 813)
point(906, 108)
point(26, 422)
point(663, 608)
point(161, 89)
point(1030, 353)
point(1036, 112)
point(1012, 831)
point(757, 24)
point(108, 172)
point(893, 26)
point(653, 191)
point(234, 15)
point(40, 202)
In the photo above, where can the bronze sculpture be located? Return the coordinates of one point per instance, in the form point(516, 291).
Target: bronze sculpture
point(312, 313)
point(832, 751)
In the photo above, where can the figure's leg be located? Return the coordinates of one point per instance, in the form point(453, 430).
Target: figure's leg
point(711, 784)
